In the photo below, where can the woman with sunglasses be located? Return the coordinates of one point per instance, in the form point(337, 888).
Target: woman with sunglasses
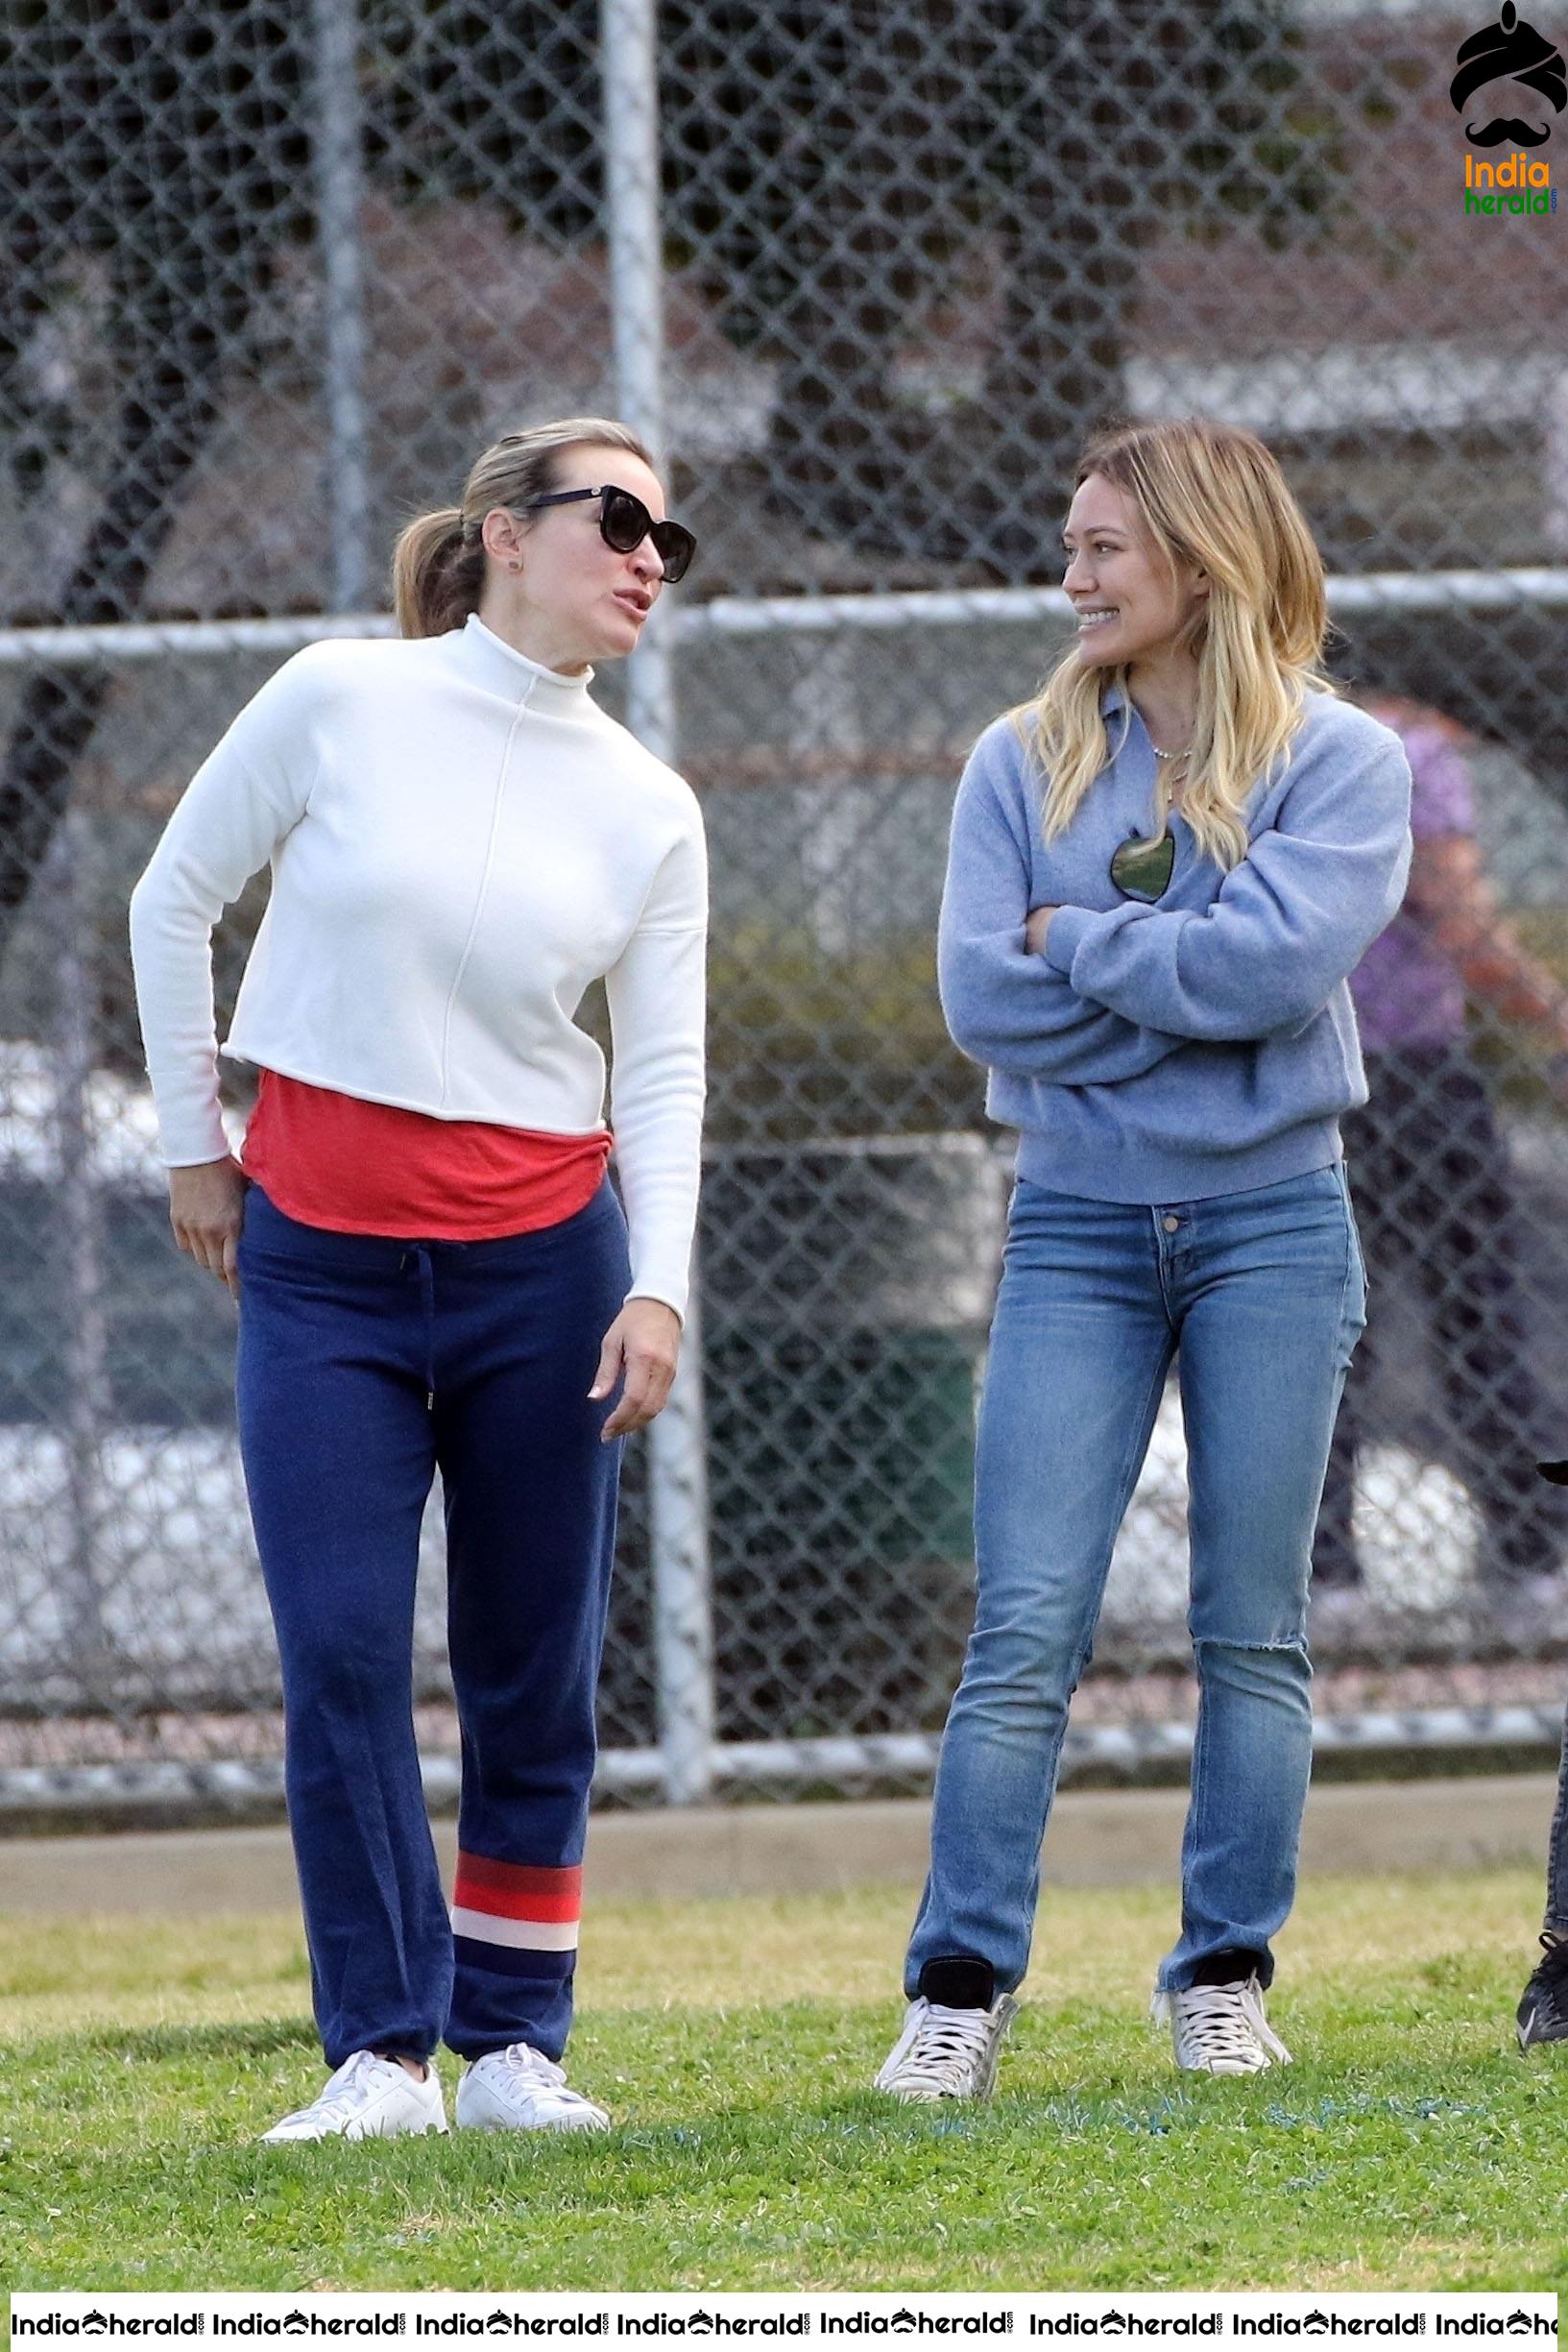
point(432, 1269)
point(1160, 873)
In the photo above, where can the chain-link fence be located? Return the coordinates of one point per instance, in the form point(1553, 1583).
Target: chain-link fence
point(271, 275)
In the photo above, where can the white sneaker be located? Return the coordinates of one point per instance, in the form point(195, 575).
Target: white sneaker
point(947, 2053)
point(519, 2088)
point(1220, 2029)
point(368, 2098)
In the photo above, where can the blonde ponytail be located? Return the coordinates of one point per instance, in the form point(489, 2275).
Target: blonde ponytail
point(436, 578)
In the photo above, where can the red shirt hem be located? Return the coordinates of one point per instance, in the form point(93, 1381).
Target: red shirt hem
point(349, 1166)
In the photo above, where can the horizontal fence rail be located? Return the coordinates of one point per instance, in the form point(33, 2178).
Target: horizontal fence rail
point(1126, 1751)
point(729, 617)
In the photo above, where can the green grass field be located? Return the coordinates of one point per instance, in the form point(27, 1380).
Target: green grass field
point(1409, 2146)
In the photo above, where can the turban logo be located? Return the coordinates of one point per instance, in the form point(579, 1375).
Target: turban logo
point(1509, 51)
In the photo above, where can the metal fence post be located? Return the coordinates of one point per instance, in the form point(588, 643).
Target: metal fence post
point(79, 1231)
point(339, 189)
point(677, 1465)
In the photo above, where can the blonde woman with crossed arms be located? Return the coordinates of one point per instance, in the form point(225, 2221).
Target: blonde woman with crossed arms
point(1160, 875)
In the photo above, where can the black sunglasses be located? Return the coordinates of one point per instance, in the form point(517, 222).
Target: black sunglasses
point(1143, 869)
point(626, 522)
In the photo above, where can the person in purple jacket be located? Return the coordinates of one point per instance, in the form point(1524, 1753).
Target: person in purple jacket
point(1433, 1189)
point(1159, 875)
point(1430, 1174)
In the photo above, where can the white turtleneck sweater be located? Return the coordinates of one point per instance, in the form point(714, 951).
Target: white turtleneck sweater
point(460, 841)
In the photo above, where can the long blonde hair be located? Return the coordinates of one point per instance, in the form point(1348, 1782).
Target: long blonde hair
point(1214, 496)
point(438, 565)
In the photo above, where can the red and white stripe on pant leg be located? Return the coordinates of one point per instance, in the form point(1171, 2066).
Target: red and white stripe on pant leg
point(519, 1907)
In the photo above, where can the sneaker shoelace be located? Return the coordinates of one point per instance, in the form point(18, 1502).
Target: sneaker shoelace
point(946, 2046)
point(544, 2082)
point(1223, 2022)
point(539, 2072)
point(352, 2087)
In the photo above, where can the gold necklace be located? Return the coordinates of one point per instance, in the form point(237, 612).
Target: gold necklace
point(1171, 775)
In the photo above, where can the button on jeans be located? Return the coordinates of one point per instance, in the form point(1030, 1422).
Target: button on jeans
point(1260, 1297)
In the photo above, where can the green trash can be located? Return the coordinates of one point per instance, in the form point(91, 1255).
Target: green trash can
point(846, 1290)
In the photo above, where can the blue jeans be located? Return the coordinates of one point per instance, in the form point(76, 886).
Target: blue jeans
point(364, 1366)
point(1261, 1297)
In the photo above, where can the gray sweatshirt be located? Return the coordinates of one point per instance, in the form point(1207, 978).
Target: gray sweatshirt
point(1203, 1045)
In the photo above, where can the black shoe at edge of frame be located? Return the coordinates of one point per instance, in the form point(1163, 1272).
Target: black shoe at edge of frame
point(1543, 2011)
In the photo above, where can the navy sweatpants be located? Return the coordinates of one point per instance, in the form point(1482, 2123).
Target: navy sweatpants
point(364, 1366)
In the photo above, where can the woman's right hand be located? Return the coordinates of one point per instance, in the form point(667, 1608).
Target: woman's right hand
point(1036, 928)
point(206, 1207)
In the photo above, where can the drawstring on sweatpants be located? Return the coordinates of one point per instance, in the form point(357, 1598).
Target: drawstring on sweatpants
point(419, 1252)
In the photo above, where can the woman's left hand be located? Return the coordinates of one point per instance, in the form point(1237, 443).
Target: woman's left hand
point(644, 1340)
point(1036, 928)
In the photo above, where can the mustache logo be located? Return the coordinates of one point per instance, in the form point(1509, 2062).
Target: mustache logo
point(1508, 127)
point(1509, 50)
